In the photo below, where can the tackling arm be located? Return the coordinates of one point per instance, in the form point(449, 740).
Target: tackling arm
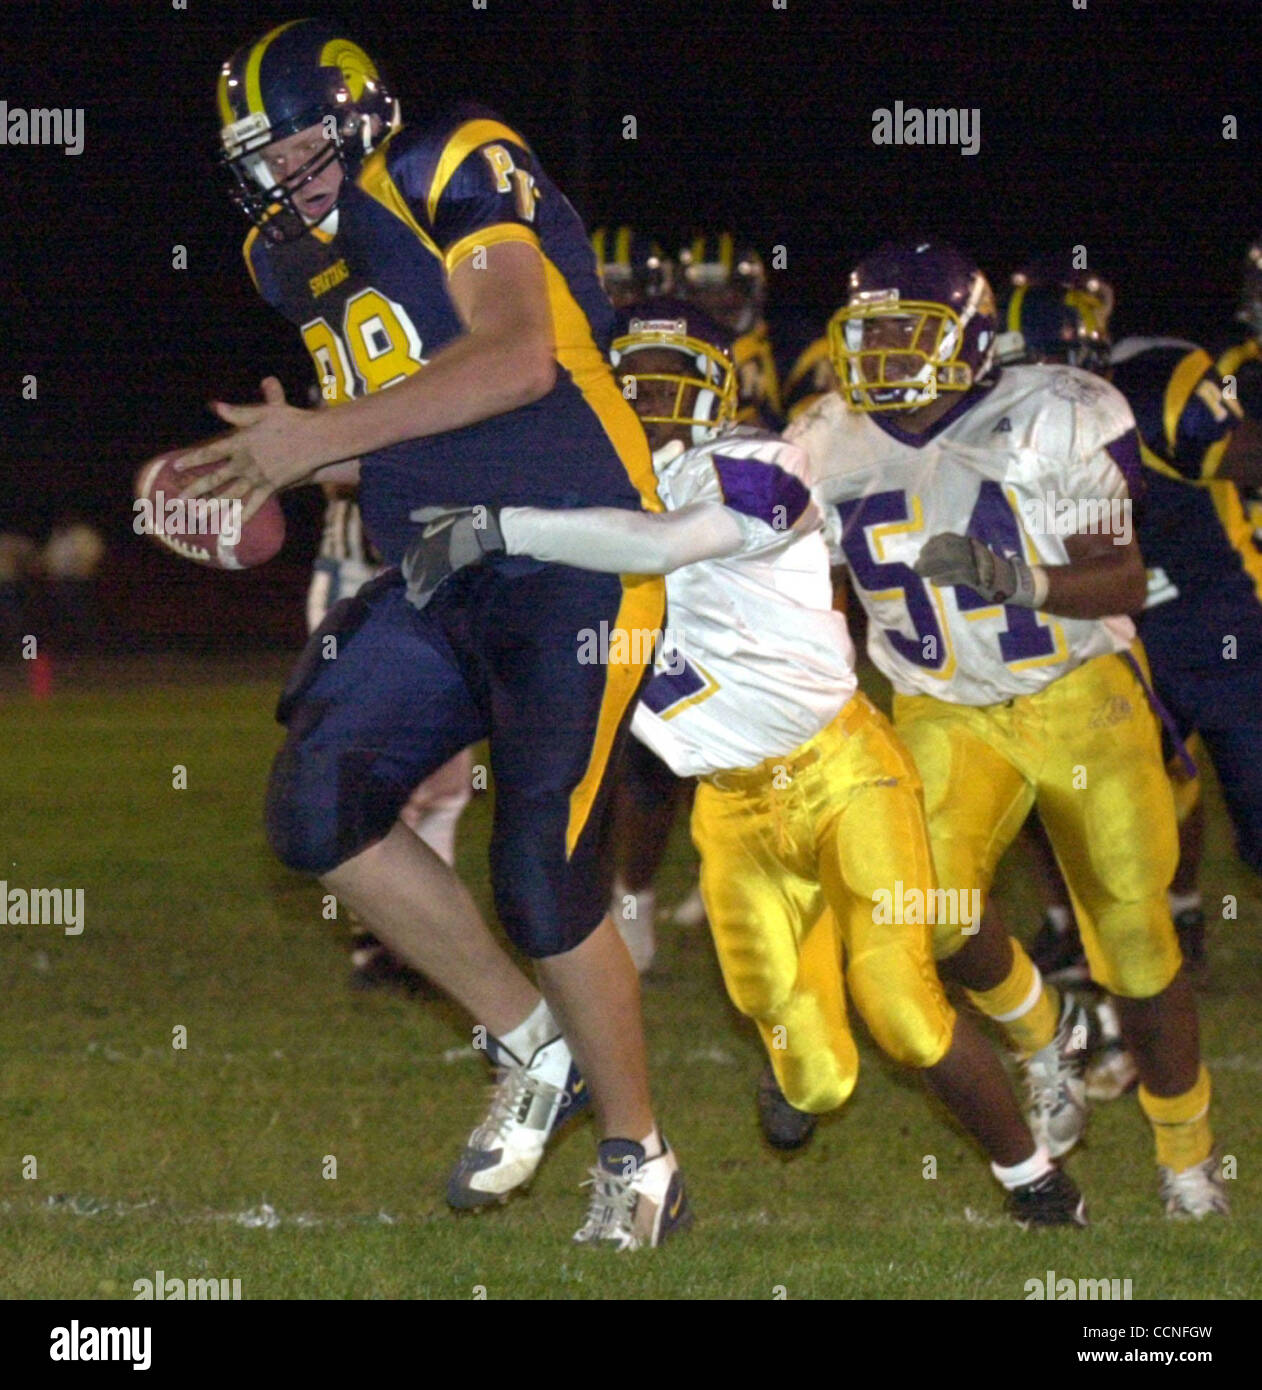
point(615, 541)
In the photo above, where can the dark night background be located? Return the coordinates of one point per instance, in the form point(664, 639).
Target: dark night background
point(1101, 127)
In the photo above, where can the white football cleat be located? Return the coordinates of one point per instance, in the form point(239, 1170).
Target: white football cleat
point(1195, 1192)
point(636, 1202)
point(530, 1101)
point(1111, 1072)
point(1057, 1111)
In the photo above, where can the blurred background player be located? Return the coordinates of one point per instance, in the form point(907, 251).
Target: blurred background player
point(19, 564)
point(631, 266)
point(1202, 621)
point(727, 279)
point(344, 563)
point(811, 377)
point(808, 808)
point(1239, 363)
point(69, 563)
point(1002, 639)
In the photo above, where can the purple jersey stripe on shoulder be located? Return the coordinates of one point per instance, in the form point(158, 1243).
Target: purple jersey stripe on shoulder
point(762, 490)
point(1124, 451)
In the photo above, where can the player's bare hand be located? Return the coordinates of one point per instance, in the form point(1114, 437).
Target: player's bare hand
point(269, 450)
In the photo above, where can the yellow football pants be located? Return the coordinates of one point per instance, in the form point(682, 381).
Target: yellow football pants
point(794, 853)
point(1087, 750)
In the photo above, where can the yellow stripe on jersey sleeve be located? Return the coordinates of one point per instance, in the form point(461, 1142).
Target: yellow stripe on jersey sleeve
point(488, 236)
point(1183, 381)
point(1158, 464)
point(576, 351)
point(460, 144)
point(1231, 515)
point(1237, 355)
point(809, 358)
point(1213, 459)
point(375, 180)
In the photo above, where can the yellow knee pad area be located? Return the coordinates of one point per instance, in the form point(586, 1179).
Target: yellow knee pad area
point(903, 1005)
point(1132, 949)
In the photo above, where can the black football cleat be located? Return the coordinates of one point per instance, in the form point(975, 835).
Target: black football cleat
point(1051, 1200)
point(784, 1126)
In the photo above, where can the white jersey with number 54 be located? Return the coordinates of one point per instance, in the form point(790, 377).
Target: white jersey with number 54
point(1036, 456)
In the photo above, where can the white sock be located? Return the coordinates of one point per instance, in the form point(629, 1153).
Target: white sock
point(537, 1028)
point(652, 1144)
point(1182, 902)
point(1060, 917)
point(1028, 1171)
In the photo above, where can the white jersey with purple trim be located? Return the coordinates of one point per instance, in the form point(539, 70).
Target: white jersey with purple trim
point(1032, 460)
point(755, 661)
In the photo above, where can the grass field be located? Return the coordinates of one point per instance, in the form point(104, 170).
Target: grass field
point(207, 1162)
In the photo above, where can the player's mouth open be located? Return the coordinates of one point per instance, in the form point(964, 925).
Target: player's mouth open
point(315, 205)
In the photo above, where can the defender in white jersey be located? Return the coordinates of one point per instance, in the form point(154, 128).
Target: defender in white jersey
point(809, 811)
point(983, 517)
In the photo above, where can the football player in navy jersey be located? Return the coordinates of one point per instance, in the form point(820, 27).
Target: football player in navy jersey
point(447, 293)
point(1240, 354)
point(1239, 363)
point(1202, 621)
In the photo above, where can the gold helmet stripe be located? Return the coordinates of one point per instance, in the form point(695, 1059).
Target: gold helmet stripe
point(226, 114)
point(1015, 305)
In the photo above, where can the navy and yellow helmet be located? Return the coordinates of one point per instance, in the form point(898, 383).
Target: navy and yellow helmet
point(631, 265)
point(725, 277)
point(1052, 323)
point(1092, 295)
point(300, 74)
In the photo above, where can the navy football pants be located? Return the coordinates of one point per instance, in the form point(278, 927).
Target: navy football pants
point(383, 695)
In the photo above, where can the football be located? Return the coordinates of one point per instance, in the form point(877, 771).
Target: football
point(206, 530)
